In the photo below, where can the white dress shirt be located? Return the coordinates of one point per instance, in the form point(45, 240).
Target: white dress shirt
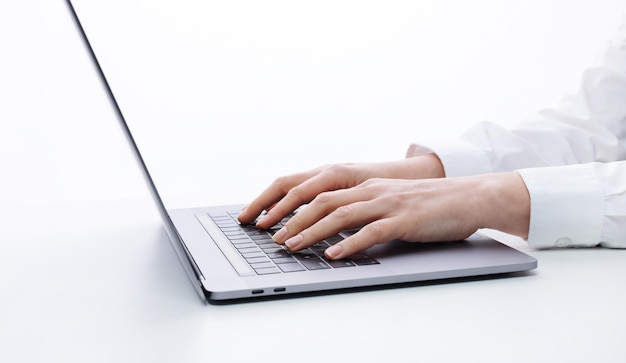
point(572, 158)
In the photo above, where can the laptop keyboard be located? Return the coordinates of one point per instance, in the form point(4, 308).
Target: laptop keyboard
point(264, 256)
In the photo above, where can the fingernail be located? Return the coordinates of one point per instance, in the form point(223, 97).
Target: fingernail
point(241, 218)
point(280, 235)
point(333, 251)
point(294, 242)
point(242, 213)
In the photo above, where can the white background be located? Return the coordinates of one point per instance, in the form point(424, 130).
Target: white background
point(86, 273)
point(302, 84)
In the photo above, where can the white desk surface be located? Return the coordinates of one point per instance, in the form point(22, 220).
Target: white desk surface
point(87, 274)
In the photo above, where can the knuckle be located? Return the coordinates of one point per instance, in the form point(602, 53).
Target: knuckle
point(367, 184)
point(376, 231)
point(294, 222)
point(297, 193)
point(373, 184)
point(337, 169)
point(282, 183)
point(342, 175)
point(372, 188)
point(281, 180)
point(343, 212)
point(323, 198)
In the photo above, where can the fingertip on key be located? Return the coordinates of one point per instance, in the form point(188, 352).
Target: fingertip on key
point(333, 252)
point(280, 235)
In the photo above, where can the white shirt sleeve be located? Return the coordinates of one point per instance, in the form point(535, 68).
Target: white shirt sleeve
point(570, 157)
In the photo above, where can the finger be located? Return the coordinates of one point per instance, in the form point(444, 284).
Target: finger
point(272, 195)
point(322, 205)
point(296, 197)
point(345, 217)
point(380, 231)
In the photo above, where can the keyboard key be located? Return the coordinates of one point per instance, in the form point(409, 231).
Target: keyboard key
point(254, 260)
point(363, 259)
point(241, 246)
point(315, 264)
point(305, 255)
point(280, 253)
point(226, 224)
point(291, 267)
point(334, 239)
point(280, 260)
point(260, 265)
point(367, 261)
point(340, 263)
point(241, 241)
point(268, 241)
point(269, 249)
point(253, 254)
point(273, 230)
point(248, 250)
point(267, 271)
point(319, 250)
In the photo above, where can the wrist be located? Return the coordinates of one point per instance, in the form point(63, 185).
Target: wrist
point(504, 203)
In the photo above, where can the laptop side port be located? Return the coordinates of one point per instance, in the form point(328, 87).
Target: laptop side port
point(279, 289)
point(256, 292)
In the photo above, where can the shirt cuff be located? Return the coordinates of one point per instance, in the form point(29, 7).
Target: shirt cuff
point(459, 158)
point(566, 206)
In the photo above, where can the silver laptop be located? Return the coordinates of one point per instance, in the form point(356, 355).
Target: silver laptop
point(226, 261)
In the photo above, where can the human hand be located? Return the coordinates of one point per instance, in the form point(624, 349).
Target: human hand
point(288, 193)
point(411, 210)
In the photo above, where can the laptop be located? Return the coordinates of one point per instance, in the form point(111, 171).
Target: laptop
point(226, 261)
